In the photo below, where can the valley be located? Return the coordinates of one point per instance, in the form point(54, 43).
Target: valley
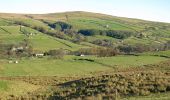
point(83, 55)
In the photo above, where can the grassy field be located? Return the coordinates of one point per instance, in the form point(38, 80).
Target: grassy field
point(49, 67)
point(159, 53)
point(10, 33)
point(127, 61)
point(4, 22)
point(9, 88)
point(39, 41)
point(33, 22)
point(82, 20)
point(69, 66)
point(157, 96)
point(42, 42)
point(3, 85)
point(94, 23)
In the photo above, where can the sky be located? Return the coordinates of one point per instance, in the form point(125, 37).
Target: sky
point(154, 10)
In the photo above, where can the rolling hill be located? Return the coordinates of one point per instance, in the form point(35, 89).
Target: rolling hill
point(84, 55)
point(92, 21)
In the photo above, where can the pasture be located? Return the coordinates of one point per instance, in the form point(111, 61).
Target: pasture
point(36, 74)
point(72, 65)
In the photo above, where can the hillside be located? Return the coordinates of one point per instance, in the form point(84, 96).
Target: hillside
point(82, 55)
point(134, 31)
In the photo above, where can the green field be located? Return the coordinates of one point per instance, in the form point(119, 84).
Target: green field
point(3, 85)
point(158, 53)
point(42, 42)
point(130, 61)
point(12, 35)
point(49, 67)
point(69, 66)
point(39, 41)
point(46, 32)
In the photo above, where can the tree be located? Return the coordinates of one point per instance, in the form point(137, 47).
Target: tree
point(59, 53)
point(60, 25)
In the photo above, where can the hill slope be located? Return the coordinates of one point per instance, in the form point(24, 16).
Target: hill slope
point(92, 26)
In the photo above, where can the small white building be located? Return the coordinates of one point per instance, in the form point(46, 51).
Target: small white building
point(82, 55)
point(39, 55)
point(16, 62)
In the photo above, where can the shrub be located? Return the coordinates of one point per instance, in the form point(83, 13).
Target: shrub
point(104, 42)
point(89, 32)
point(99, 51)
point(59, 53)
point(60, 26)
point(119, 34)
point(112, 33)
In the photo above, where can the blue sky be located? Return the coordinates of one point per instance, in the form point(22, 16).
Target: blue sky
point(155, 10)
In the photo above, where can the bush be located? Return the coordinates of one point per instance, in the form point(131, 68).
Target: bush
point(89, 32)
point(104, 42)
point(112, 33)
point(119, 34)
point(59, 53)
point(101, 52)
point(60, 26)
point(41, 29)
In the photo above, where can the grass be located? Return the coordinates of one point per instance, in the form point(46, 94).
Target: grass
point(133, 41)
point(32, 22)
point(42, 42)
point(157, 96)
point(127, 61)
point(39, 41)
point(4, 22)
point(159, 53)
point(99, 37)
point(68, 66)
point(86, 20)
point(16, 88)
point(14, 36)
point(95, 23)
point(49, 67)
point(3, 85)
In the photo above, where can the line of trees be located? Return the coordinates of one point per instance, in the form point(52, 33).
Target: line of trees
point(118, 34)
point(98, 51)
point(57, 53)
point(139, 48)
point(61, 26)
